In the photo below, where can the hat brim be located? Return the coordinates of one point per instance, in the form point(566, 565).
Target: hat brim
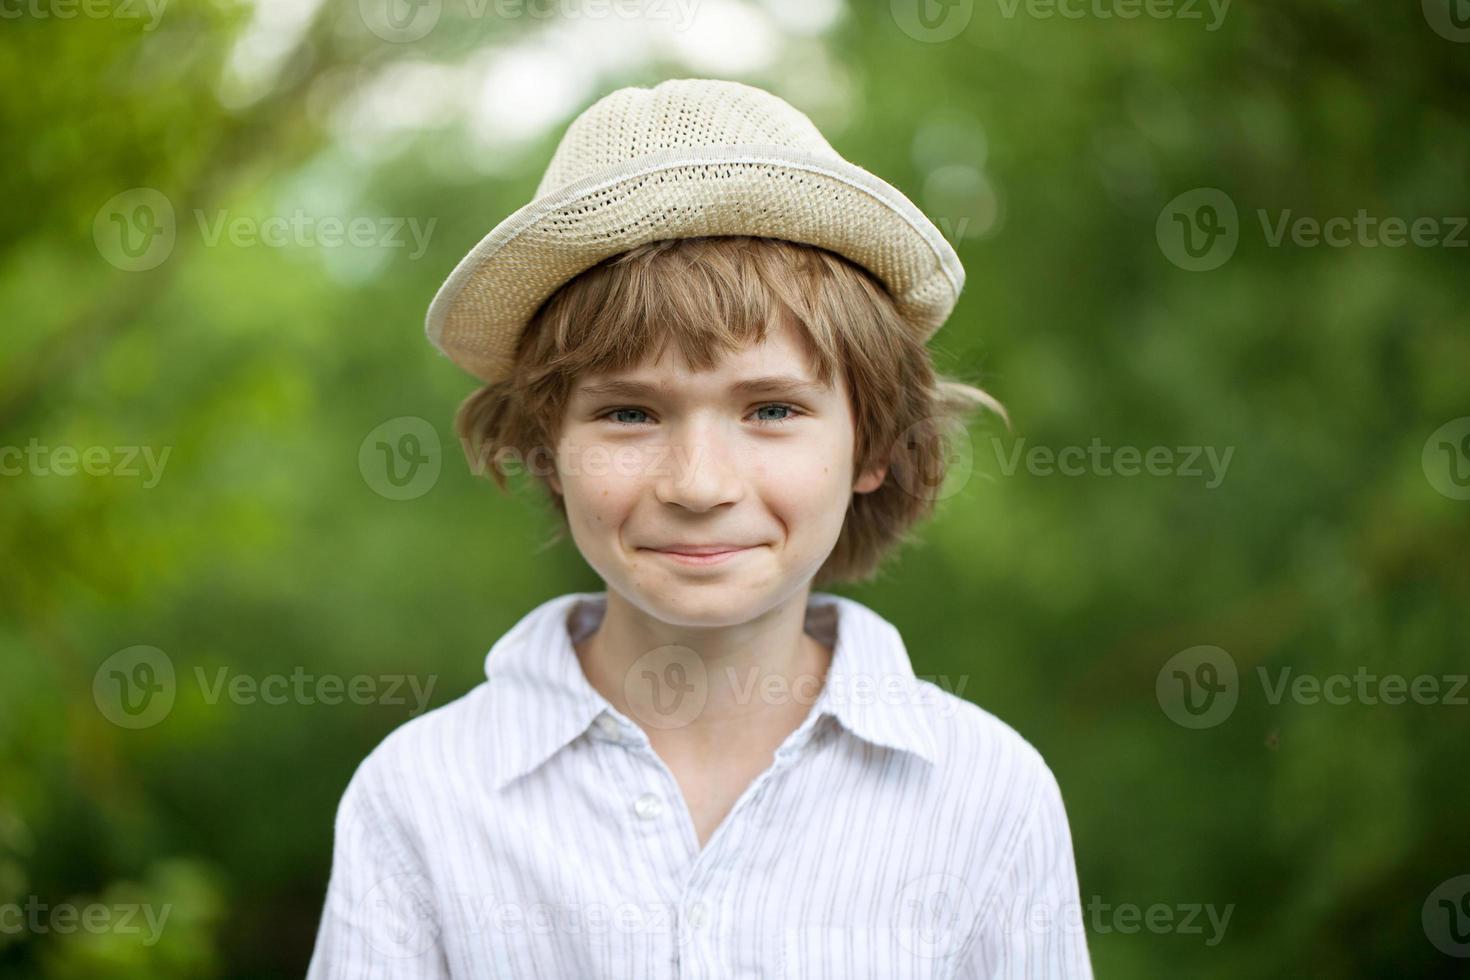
point(478, 313)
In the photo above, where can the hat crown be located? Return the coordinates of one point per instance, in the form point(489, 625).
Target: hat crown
point(687, 158)
point(677, 114)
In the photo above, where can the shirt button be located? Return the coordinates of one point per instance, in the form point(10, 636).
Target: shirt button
point(698, 915)
point(608, 725)
point(648, 806)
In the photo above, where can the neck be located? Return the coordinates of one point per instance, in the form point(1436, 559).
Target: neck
point(701, 684)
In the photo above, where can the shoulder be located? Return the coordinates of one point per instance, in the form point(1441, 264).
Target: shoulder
point(423, 758)
point(974, 746)
point(981, 764)
point(996, 785)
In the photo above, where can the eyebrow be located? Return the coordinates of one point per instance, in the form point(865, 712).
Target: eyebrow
point(771, 384)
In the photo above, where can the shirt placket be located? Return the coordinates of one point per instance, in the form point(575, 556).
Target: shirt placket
point(697, 937)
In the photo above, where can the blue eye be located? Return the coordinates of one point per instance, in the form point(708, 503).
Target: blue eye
point(619, 410)
point(791, 413)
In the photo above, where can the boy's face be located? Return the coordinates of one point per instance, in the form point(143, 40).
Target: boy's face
point(697, 460)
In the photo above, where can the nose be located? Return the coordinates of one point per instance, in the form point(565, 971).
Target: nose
point(702, 470)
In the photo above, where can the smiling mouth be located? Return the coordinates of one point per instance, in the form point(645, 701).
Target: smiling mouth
point(703, 557)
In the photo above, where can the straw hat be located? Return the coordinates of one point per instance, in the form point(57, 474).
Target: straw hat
point(686, 158)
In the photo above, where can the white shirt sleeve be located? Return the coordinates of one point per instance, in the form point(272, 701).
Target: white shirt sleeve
point(1032, 928)
point(380, 919)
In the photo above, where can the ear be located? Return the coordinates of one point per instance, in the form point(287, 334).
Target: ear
point(871, 479)
point(552, 438)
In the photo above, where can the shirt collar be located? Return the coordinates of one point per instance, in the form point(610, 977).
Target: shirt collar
point(542, 700)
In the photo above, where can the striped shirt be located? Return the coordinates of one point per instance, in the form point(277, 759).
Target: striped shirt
point(528, 829)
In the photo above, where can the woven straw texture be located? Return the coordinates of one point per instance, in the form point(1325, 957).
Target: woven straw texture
point(688, 157)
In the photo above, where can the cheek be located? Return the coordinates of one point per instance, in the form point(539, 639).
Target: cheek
point(807, 482)
point(599, 485)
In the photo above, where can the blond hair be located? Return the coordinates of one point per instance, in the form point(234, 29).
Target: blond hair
point(715, 295)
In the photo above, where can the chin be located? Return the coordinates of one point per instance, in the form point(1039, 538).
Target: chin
point(707, 597)
point(700, 604)
point(698, 601)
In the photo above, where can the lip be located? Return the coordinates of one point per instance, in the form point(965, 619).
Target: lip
point(705, 555)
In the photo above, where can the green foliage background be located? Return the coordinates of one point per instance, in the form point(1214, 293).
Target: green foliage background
point(264, 550)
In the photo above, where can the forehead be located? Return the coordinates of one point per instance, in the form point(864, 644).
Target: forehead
point(779, 359)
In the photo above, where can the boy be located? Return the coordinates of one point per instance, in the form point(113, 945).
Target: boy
point(708, 769)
